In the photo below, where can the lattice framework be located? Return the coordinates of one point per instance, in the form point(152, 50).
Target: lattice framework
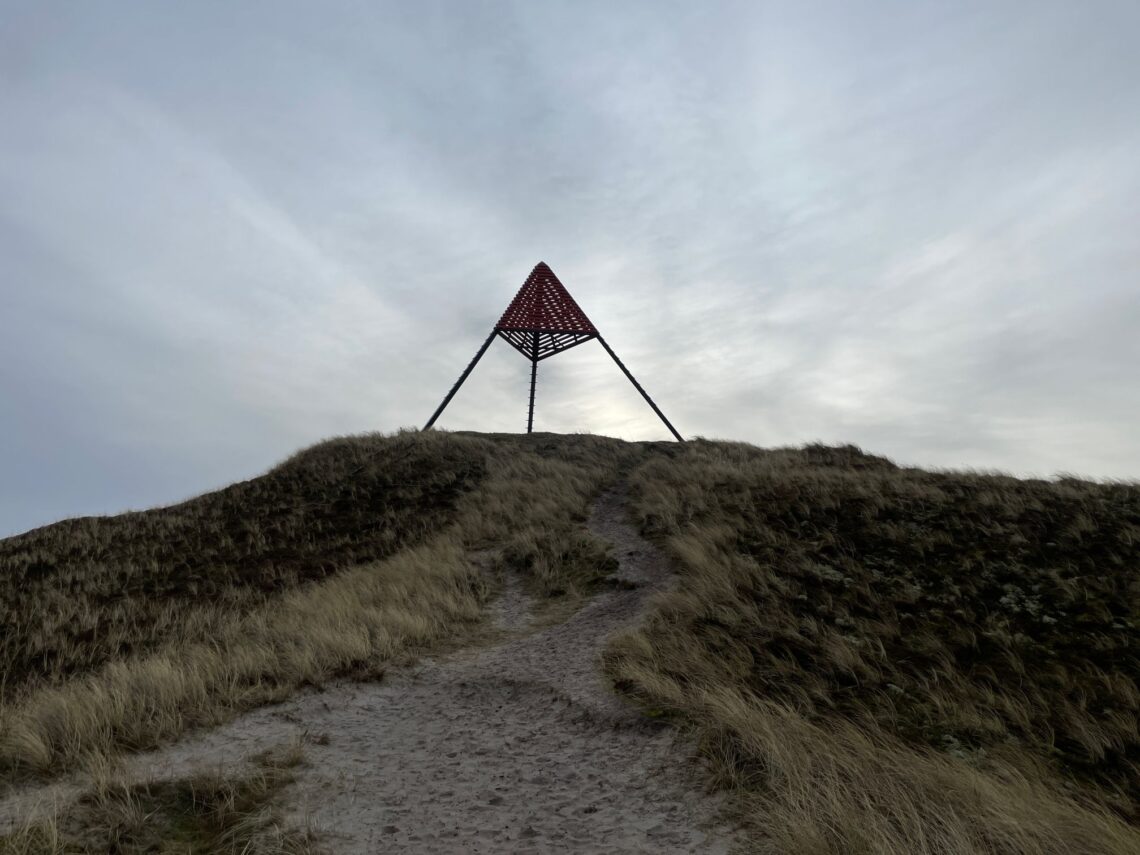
point(541, 321)
point(544, 307)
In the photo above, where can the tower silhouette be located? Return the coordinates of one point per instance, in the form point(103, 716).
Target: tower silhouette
point(541, 321)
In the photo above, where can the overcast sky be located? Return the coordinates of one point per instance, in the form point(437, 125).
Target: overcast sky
point(231, 229)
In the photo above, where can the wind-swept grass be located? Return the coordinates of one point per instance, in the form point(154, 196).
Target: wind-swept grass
point(526, 509)
point(206, 813)
point(877, 660)
point(84, 592)
point(889, 660)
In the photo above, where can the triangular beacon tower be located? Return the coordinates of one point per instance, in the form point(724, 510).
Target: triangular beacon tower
point(543, 320)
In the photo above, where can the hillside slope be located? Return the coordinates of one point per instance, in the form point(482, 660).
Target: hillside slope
point(81, 592)
point(875, 659)
point(895, 660)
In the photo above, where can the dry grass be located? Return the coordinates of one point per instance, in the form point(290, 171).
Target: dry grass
point(214, 660)
point(206, 813)
point(354, 622)
point(877, 660)
point(84, 592)
point(886, 660)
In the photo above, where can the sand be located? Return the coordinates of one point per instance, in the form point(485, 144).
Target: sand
point(517, 746)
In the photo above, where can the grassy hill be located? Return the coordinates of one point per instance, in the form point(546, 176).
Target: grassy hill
point(875, 659)
point(896, 660)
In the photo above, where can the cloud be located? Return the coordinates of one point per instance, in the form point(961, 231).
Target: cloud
point(229, 231)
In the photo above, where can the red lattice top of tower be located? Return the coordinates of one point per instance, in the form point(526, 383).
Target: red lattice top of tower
point(544, 305)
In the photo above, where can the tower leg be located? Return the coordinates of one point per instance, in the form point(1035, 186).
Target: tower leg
point(459, 382)
point(644, 394)
point(533, 379)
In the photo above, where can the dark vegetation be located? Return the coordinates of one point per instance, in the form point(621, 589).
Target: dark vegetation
point(852, 642)
point(205, 814)
point(348, 557)
point(983, 617)
point(82, 592)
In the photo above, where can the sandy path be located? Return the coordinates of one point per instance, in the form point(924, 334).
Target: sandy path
point(519, 747)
